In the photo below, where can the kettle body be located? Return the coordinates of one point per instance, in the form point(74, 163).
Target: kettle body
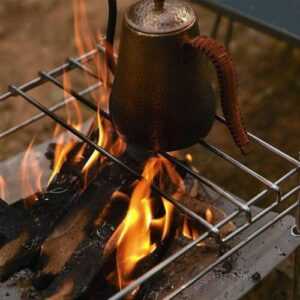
point(161, 97)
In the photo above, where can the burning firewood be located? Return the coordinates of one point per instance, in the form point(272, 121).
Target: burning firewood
point(23, 230)
point(92, 241)
point(78, 267)
point(205, 253)
point(77, 243)
point(86, 236)
point(27, 223)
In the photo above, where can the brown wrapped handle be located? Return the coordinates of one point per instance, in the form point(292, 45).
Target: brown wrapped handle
point(228, 83)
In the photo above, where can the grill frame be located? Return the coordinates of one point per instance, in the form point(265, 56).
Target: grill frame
point(242, 207)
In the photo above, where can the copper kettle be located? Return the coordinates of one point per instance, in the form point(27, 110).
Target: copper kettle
point(161, 97)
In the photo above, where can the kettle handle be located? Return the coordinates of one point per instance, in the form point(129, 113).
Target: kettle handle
point(228, 83)
point(110, 33)
point(111, 21)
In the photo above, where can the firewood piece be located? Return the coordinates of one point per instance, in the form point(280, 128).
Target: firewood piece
point(73, 254)
point(87, 259)
point(202, 255)
point(22, 230)
point(102, 288)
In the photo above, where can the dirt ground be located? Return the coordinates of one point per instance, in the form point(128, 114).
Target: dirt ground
point(38, 35)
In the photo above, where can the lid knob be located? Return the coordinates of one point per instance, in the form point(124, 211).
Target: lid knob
point(159, 4)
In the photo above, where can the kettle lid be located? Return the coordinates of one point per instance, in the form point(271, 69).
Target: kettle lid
point(160, 16)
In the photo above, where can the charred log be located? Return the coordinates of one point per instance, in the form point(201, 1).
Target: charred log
point(22, 230)
point(74, 254)
point(180, 271)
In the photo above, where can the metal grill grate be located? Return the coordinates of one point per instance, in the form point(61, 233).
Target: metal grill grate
point(271, 188)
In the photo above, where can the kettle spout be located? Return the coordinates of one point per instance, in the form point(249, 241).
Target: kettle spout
point(228, 83)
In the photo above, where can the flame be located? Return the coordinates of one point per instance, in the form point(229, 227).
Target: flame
point(84, 43)
point(191, 231)
point(31, 176)
point(102, 142)
point(209, 216)
point(64, 143)
point(2, 188)
point(132, 239)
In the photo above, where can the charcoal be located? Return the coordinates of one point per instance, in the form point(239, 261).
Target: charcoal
point(73, 254)
point(22, 230)
point(88, 259)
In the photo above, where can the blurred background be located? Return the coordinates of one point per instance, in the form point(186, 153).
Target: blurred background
point(39, 35)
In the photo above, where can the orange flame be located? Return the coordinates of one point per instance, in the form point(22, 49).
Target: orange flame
point(192, 232)
point(84, 42)
point(132, 239)
point(31, 176)
point(209, 216)
point(64, 144)
point(2, 188)
point(102, 142)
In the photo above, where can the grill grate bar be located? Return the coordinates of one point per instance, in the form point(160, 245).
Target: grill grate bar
point(56, 107)
point(244, 207)
point(267, 146)
point(257, 197)
point(70, 91)
point(82, 67)
point(73, 93)
point(205, 181)
point(84, 138)
point(236, 248)
point(221, 259)
point(241, 166)
point(68, 66)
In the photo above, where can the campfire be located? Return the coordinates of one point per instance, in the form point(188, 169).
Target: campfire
point(109, 220)
point(94, 228)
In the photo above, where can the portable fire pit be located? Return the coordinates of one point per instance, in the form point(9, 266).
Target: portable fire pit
point(67, 237)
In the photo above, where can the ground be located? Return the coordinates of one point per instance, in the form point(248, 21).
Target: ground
point(38, 35)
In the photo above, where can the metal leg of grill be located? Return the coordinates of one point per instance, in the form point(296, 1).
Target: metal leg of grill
point(216, 26)
point(296, 232)
point(229, 33)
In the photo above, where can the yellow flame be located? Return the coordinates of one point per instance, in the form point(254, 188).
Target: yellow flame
point(101, 142)
point(132, 239)
point(85, 42)
point(64, 144)
point(209, 216)
point(191, 231)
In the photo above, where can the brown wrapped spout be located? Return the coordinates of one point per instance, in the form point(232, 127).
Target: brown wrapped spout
point(228, 86)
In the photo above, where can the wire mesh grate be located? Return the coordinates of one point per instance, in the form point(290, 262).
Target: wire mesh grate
point(241, 207)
